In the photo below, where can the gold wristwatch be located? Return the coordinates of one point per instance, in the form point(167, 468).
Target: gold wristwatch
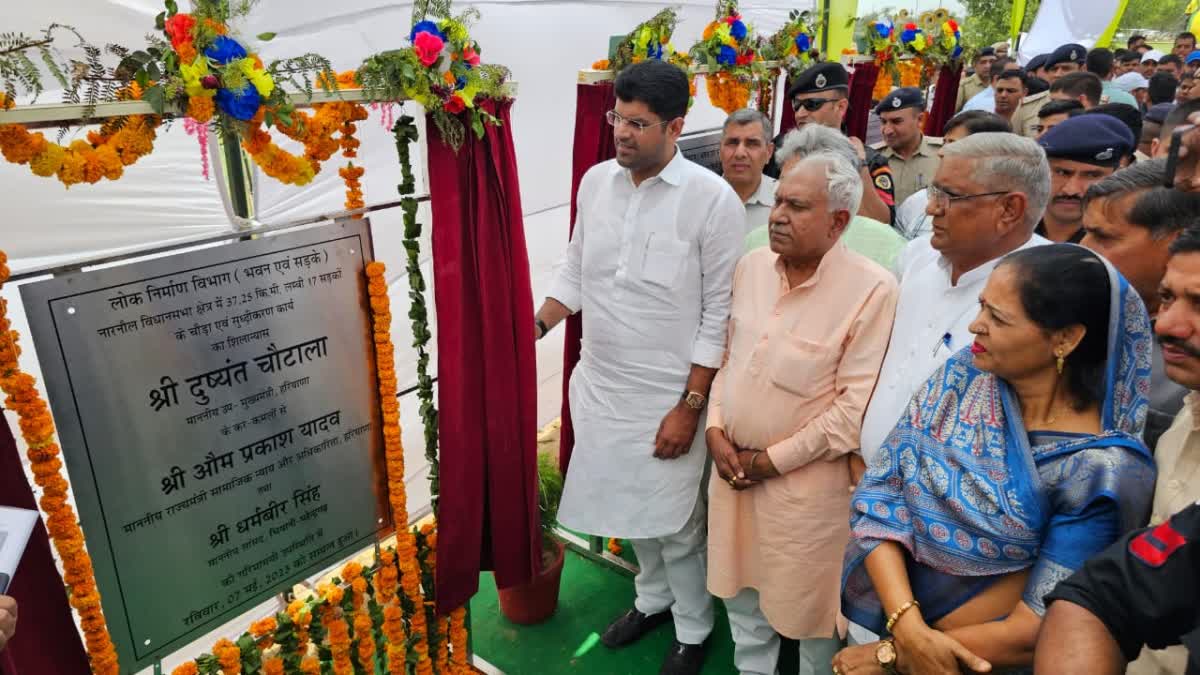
point(694, 400)
point(885, 655)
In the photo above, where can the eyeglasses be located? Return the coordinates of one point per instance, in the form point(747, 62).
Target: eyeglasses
point(811, 104)
point(638, 127)
point(942, 199)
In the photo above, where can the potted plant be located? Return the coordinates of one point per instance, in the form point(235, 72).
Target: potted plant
point(536, 601)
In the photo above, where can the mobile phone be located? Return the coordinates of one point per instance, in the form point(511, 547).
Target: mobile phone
point(1173, 153)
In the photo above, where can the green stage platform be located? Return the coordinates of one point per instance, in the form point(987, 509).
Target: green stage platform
point(591, 595)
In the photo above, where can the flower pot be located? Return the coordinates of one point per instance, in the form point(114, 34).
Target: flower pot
point(535, 601)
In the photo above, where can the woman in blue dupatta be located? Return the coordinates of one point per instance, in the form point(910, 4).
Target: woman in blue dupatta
point(1018, 460)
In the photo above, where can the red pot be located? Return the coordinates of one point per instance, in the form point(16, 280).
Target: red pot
point(535, 601)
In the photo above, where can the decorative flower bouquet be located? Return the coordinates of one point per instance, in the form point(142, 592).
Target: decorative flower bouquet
point(876, 35)
point(728, 48)
point(791, 44)
point(649, 40)
point(442, 72)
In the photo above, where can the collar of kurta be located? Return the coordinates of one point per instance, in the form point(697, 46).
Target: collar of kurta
point(831, 257)
point(765, 194)
point(1192, 403)
point(671, 174)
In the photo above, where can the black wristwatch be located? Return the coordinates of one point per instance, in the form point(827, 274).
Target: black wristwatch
point(541, 326)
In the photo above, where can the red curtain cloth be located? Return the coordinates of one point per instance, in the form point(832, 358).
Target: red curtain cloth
point(944, 97)
point(44, 617)
point(787, 118)
point(862, 82)
point(593, 144)
point(487, 380)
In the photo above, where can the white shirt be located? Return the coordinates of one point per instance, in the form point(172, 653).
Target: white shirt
point(911, 219)
point(929, 310)
point(984, 100)
point(651, 267)
point(758, 207)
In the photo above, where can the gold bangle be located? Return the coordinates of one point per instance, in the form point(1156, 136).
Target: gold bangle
point(900, 612)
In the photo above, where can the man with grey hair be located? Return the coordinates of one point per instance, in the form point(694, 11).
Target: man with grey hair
point(746, 148)
point(866, 236)
point(985, 199)
point(1131, 220)
point(810, 325)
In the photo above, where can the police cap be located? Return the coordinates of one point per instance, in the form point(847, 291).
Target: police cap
point(1093, 139)
point(821, 77)
point(1068, 53)
point(899, 99)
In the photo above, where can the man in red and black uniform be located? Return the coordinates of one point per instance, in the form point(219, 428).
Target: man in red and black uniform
point(1144, 590)
point(819, 96)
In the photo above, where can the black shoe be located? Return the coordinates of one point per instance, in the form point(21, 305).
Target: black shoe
point(631, 627)
point(683, 659)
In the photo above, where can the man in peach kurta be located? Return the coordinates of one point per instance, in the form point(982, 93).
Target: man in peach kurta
point(807, 334)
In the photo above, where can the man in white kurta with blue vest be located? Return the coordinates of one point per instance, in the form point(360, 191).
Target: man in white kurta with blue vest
point(650, 265)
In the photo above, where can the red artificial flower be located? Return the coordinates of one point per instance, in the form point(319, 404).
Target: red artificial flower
point(910, 26)
point(745, 59)
point(953, 25)
point(428, 48)
point(733, 17)
point(470, 56)
point(454, 105)
point(179, 28)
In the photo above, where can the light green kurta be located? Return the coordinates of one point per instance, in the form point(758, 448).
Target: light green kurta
point(865, 236)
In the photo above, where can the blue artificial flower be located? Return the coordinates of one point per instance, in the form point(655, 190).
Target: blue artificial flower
point(884, 28)
point(658, 52)
point(240, 105)
point(803, 42)
point(908, 35)
point(738, 30)
point(957, 50)
point(225, 49)
point(460, 82)
point(426, 27)
point(727, 56)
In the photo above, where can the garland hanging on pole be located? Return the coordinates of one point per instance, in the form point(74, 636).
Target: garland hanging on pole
point(405, 133)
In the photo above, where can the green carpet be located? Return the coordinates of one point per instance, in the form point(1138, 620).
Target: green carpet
point(591, 595)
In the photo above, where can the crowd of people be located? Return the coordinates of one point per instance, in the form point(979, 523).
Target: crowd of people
point(922, 406)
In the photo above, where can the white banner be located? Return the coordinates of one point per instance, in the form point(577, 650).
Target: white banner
point(1060, 22)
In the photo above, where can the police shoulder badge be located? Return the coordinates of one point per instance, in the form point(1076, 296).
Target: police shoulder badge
point(820, 81)
point(883, 181)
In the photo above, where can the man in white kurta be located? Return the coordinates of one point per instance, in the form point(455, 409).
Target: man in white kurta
point(650, 264)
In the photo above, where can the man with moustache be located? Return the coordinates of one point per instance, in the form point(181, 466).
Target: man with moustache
point(1082, 151)
point(1009, 87)
point(650, 264)
point(912, 156)
point(1132, 220)
point(979, 81)
point(746, 148)
point(1144, 590)
point(1068, 58)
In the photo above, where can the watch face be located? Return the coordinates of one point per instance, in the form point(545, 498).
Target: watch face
point(886, 653)
point(695, 401)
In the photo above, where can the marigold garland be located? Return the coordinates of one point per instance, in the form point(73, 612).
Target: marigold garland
point(104, 155)
point(229, 656)
point(458, 641)
point(37, 428)
point(726, 91)
point(315, 132)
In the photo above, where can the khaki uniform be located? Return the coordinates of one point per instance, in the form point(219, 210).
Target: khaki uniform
point(914, 174)
point(1025, 119)
point(967, 89)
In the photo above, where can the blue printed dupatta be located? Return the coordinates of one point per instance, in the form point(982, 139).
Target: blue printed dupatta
point(960, 485)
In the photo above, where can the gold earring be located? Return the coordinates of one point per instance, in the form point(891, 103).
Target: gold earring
point(1061, 362)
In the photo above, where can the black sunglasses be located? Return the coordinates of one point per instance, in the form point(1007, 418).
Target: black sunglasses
point(811, 104)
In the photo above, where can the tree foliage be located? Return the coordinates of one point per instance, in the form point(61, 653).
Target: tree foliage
point(1159, 15)
point(987, 22)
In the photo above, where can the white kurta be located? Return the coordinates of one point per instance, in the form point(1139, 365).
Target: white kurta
point(932, 317)
point(651, 268)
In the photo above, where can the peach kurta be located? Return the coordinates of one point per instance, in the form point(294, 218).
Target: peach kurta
point(799, 368)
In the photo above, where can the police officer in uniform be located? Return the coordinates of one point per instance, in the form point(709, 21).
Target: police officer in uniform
point(1059, 62)
point(912, 156)
point(819, 96)
point(1143, 590)
point(978, 81)
point(1082, 151)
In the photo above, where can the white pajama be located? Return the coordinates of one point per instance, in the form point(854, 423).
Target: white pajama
point(673, 576)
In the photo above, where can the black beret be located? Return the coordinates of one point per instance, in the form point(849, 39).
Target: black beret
point(986, 51)
point(1068, 53)
point(904, 97)
point(1036, 62)
point(821, 77)
point(1158, 112)
point(1093, 139)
